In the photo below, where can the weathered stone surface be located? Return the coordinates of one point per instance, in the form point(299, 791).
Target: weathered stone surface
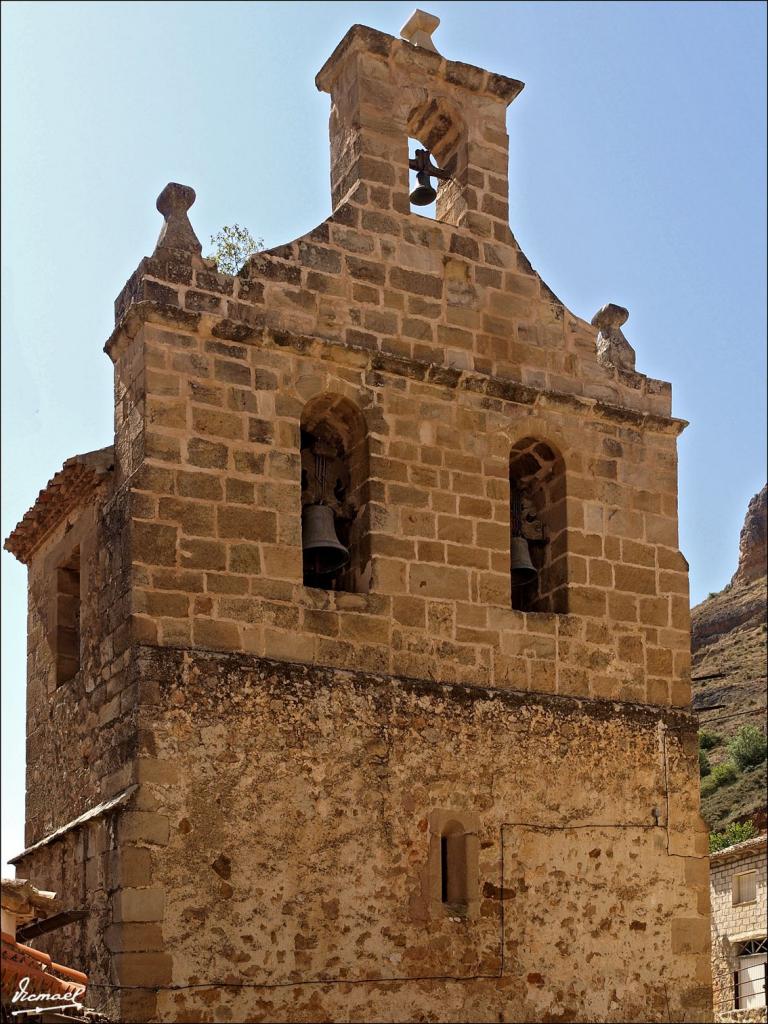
point(613, 349)
point(572, 828)
point(177, 233)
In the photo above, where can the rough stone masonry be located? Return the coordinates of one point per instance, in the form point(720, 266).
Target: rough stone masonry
point(406, 790)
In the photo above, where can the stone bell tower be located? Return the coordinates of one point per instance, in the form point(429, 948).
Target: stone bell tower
point(457, 111)
point(359, 663)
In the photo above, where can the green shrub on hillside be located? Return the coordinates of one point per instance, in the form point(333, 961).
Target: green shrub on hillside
point(724, 773)
point(748, 747)
point(704, 766)
point(736, 832)
point(708, 739)
point(721, 775)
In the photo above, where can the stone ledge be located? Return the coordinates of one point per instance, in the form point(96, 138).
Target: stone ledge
point(360, 38)
point(169, 660)
point(149, 311)
point(98, 811)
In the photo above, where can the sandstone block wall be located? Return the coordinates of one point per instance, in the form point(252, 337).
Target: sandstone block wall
point(216, 529)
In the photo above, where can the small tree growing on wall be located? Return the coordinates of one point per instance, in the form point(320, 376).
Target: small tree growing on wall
point(232, 246)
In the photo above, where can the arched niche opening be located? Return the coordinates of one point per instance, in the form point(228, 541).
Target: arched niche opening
point(334, 495)
point(437, 127)
point(538, 527)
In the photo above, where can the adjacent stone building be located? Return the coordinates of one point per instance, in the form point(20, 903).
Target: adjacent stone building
point(739, 935)
point(403, 789)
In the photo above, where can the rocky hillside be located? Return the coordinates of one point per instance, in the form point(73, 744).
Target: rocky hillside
point(729, 673)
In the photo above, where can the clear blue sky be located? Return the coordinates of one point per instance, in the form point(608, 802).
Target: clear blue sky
point(637, 176)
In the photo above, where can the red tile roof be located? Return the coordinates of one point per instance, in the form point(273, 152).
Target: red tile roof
point(79, 477)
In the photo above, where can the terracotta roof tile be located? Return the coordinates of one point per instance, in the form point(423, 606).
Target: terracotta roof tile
point(740, 849)
point(79, 477)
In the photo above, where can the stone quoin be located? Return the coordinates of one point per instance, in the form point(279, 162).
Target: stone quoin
point(403, 789)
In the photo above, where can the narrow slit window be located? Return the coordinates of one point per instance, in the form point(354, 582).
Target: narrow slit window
point(68, 619)
point(444, 868)
point(453, 865)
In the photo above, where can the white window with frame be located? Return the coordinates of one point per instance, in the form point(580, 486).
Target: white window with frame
point(749, 977)
point(744, 888)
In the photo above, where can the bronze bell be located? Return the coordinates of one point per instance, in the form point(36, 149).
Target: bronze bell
point(522, 568)
point(323, 551)
point(423, 194)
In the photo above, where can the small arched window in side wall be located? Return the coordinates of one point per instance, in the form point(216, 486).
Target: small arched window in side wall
point(334, 495)
point(538, 527)
point(452, 874)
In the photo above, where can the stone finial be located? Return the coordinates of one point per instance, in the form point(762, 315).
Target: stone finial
point(613, 349)
point(177, 233)
point(419, 28)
